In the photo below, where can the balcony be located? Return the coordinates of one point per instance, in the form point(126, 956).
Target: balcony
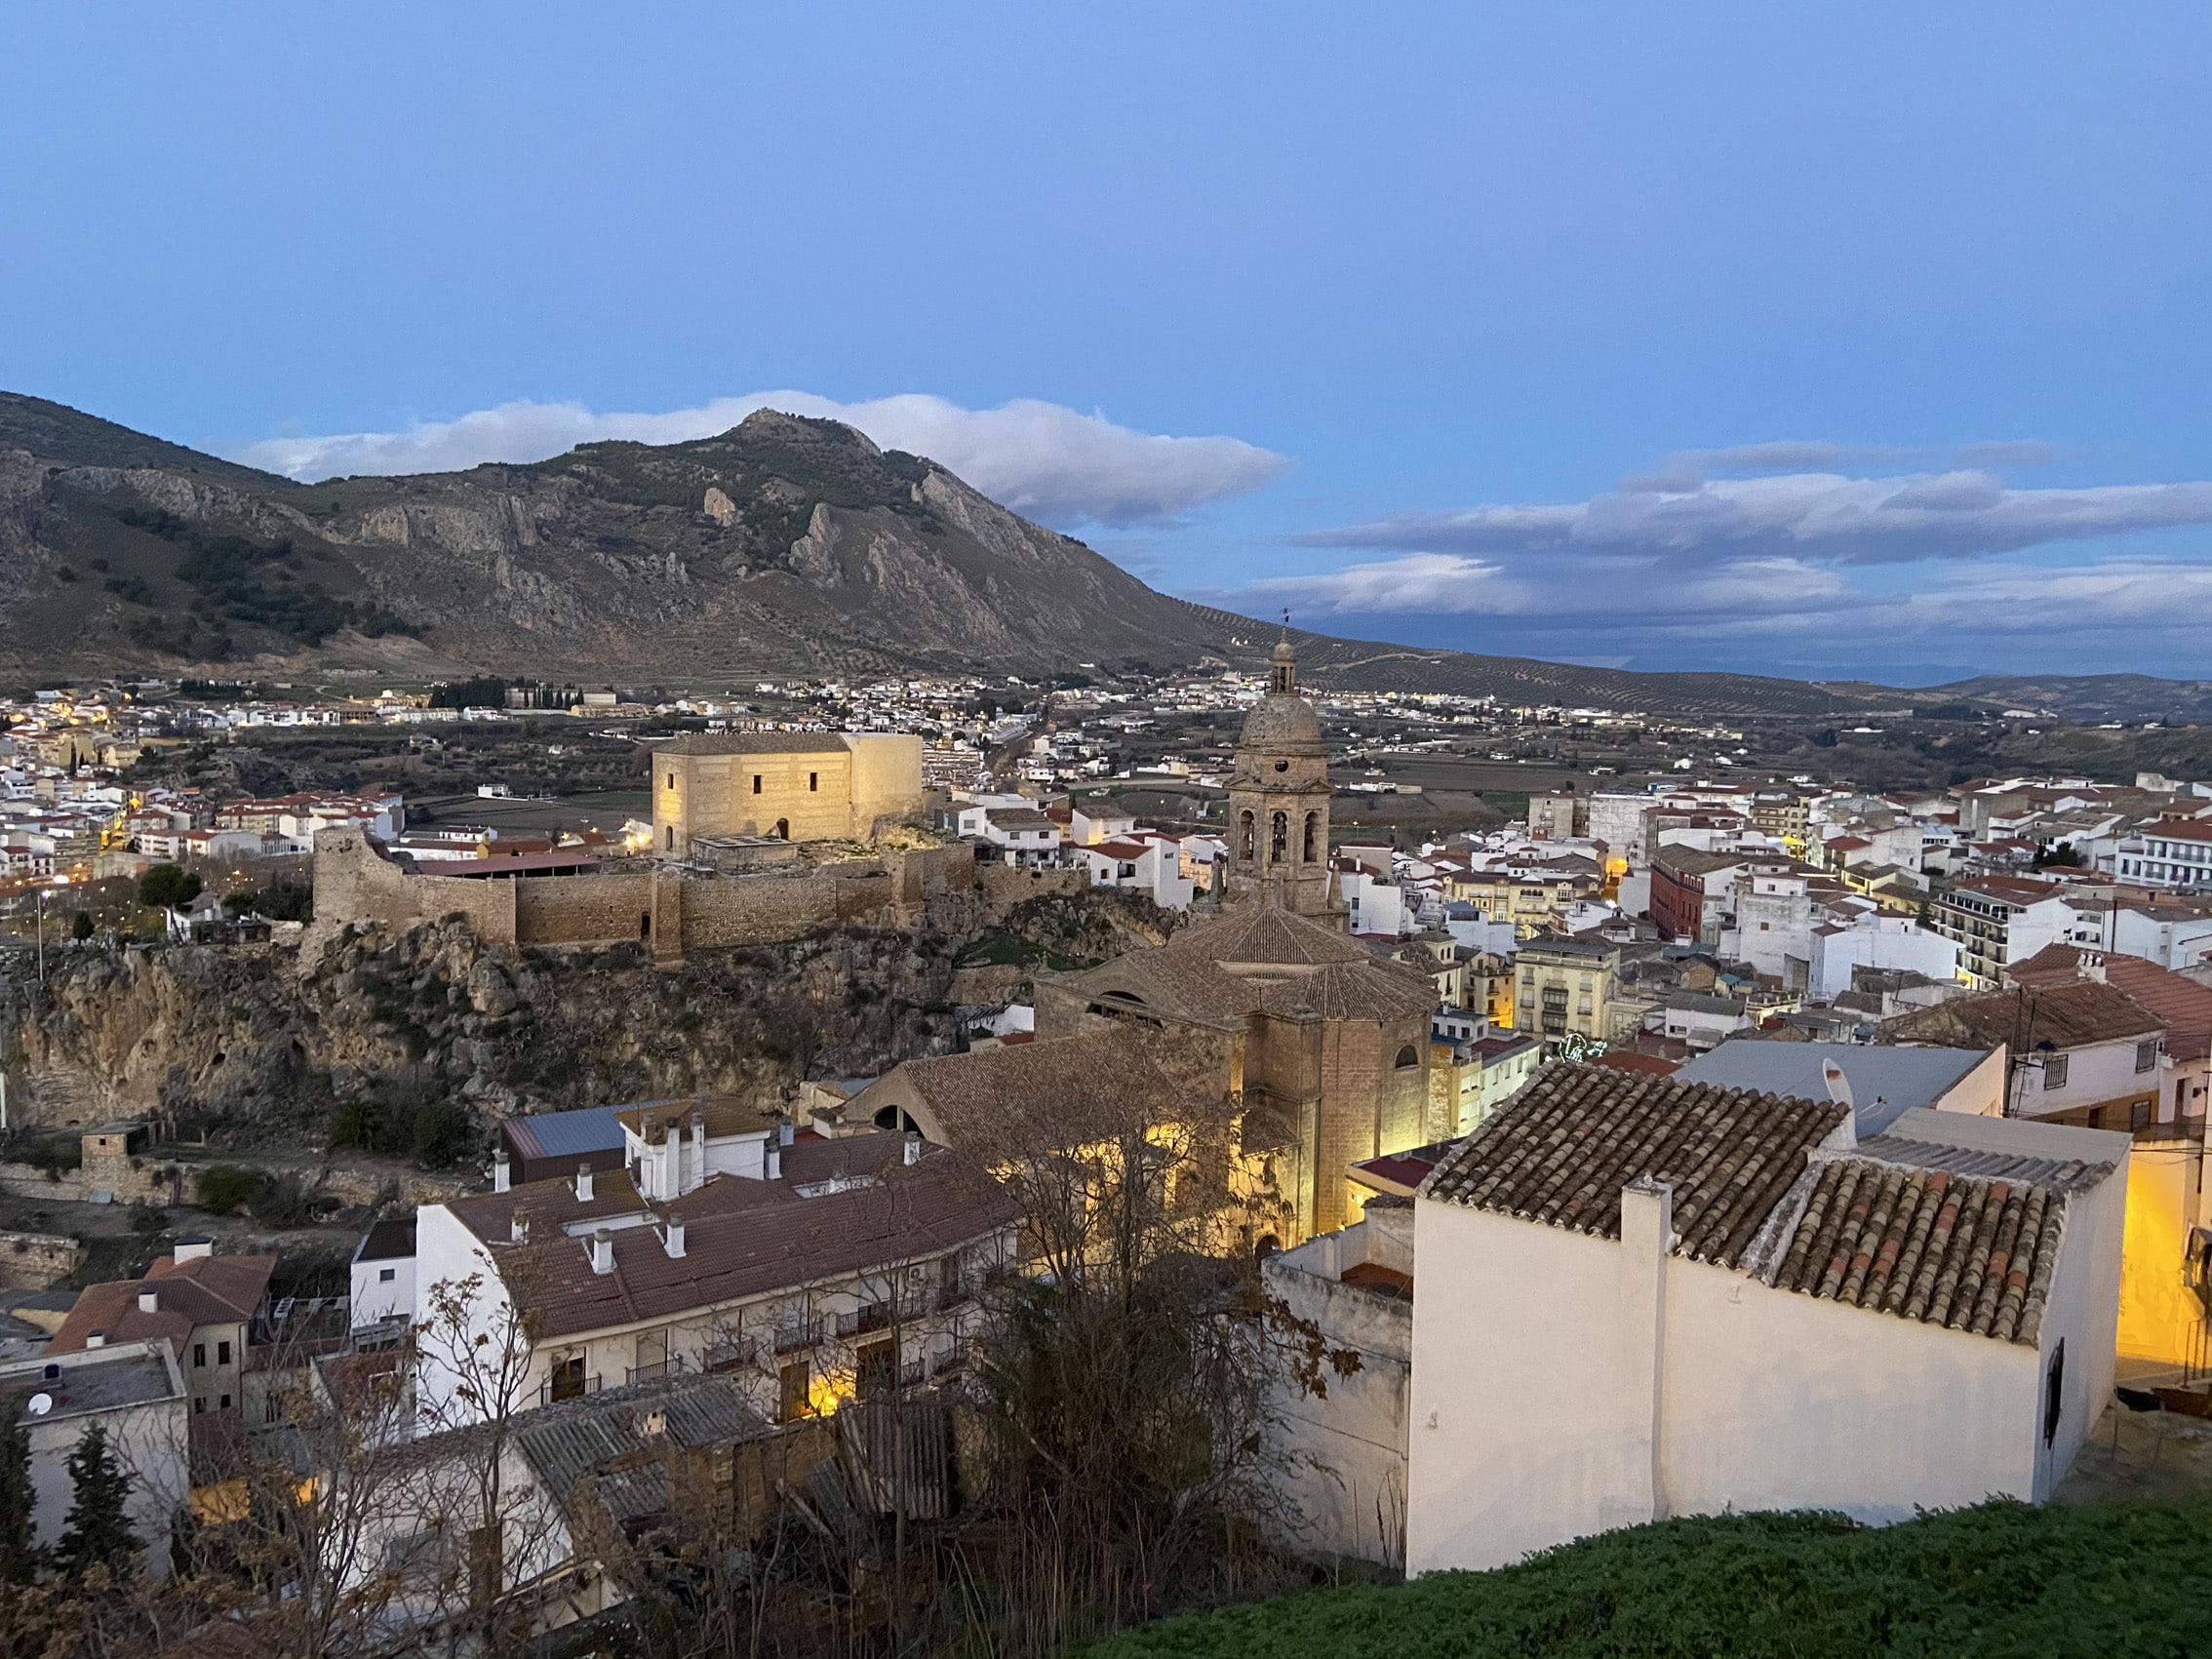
point(807, 1333)
point(731, 1354)
point(673, 1366)
point(563, 1385)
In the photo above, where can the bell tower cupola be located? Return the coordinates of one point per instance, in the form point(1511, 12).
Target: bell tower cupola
point(1278, 794)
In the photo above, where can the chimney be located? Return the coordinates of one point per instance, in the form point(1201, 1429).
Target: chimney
point(654, 1423)
point(913, 1148)
point(500, 1175)
point(786, 1133)
point(603, 1251)
point(673, 1238)
point(518, 1224)
point(774, 1157)
point(583, 1183)
point(648, 1129)
point(95, 1340)
point(698, 1149)
point(149, 1300)
point(192, 1250)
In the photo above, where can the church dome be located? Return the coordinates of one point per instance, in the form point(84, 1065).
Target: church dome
point(1283, 724)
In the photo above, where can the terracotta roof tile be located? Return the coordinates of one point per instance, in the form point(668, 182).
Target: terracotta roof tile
point(1561, 1151)
point(2067, 1016)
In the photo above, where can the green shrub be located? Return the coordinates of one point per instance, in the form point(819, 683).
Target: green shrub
point(444, 1132)
point(280, 1200)
point(2003, 1578)
point(225, 1188)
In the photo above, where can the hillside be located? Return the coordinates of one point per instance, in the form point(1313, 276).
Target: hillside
point(2115, 1580)
point(785, 547)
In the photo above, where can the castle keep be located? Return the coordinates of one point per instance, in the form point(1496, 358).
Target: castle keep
point(781, 785)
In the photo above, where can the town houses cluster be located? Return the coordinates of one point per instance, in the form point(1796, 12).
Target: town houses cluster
point(1767, 1145)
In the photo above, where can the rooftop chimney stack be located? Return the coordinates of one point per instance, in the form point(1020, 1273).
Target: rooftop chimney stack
point(786, 1133)
point(603, 1251)
point(95, 1340)
point(149, 1300)
point(698, 1149)
point(501, 1175)
point(518, 1224)
point(913, 1148)
point(192, 1250)
point(673, 1238)
point(774, 1156)
point(583, 1183)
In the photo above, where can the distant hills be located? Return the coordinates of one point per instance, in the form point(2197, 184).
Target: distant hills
point(783, 547)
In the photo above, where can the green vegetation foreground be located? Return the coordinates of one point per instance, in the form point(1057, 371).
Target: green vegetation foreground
point(2115, 1579)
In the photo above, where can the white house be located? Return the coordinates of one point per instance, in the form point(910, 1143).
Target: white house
point(383, 1286)
point(1875, 940)
point(816, 1267)
point(1640, 1298)
point(2173, 853)
point(1142, 862)
point(133, 1391)
point(2083, 1052)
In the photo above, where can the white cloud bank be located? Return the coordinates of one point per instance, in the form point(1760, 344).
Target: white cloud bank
point(1040, 458)
point(1966, 513)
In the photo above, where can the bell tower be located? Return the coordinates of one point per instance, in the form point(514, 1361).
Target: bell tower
point(1278, 794)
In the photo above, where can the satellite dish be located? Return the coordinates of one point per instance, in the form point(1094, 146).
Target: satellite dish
point(1838, 1086)
point(41, 1405)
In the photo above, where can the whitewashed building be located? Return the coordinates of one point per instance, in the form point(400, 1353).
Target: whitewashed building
point(1640, 1298)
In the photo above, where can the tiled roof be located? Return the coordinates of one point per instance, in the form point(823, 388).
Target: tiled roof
point(1561, 1151)
point(742, 1238)
point(1926, 1245)
point(1038, 1097)
point(2067, 1016)
point(2181, 1002)
point(603, 1444)
point(205, 1291)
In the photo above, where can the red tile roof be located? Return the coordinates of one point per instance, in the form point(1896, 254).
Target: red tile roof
point(206, 1290)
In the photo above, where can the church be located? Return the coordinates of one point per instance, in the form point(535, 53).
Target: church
point(1268, 1010)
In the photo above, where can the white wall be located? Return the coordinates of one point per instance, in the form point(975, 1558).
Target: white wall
point(1539, 1416)
point(376, 1298)
point(1889, 941)
point(150, 1439)
point(2095, 1073)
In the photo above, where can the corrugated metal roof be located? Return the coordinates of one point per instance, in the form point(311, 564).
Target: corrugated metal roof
point(570, 1442)
point(562, 1135)
point(1885, 1081)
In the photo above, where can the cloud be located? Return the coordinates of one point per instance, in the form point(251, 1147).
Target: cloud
point(1050, 462)
point(1816, 515)
point(1455, 584)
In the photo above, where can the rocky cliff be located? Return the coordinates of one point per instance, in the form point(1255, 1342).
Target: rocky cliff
point(264, 1049)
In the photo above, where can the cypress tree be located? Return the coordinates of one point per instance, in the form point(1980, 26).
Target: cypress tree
point(19, 1553)
point(99, 1531)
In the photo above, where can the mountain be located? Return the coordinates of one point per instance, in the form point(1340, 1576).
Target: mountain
point(2131, 697)
point(783, 547)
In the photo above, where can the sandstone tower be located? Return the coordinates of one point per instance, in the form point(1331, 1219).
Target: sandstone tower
point(1279, 799)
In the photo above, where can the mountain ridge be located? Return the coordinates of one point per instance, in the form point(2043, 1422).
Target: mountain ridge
point(787, 546)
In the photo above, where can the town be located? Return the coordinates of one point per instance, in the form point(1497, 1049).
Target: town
point(1777, 1140)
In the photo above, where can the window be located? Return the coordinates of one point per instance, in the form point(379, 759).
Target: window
point(386, 1275)
point(1277, 837)
point(1313, 833)
point(1408, 1057)
point(791, 1392)
point(2054, 1072)
point(671, 780)
point(2139, 1115)
point(568, 1377)
point(2146, 1056)
point(223, 1354)
point(199, 1405)
point(2054, 1393)
point(671, 838)
point(813, 782)
point(223, 1404)
point(199, 1355)
point(2096, 1116)
point(1246, 837)
point(756, 783)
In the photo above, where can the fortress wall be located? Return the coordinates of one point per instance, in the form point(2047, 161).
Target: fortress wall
point(943, 886)
point(886, 778)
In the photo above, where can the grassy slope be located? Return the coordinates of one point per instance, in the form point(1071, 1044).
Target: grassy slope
point(2119, 1579)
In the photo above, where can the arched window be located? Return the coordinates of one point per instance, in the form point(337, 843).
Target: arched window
point(671, 838)
point(1408, 1057)
point(1313, 837)
point(1277, 837)
point(1247, 831)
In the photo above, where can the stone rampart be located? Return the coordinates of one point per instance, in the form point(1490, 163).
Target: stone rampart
point(672, 908)
point(32, 1261)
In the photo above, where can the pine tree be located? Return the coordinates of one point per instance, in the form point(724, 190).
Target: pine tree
point(98, 1532)
point(19, 1553)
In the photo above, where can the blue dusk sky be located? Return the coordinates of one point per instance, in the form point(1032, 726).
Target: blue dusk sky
point(1823, 340)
